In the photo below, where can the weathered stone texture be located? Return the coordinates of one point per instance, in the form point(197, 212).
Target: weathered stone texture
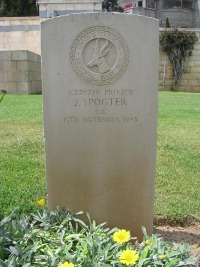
point(20, 72)
point(100, 106)
point(20, 34)
point(54, 8)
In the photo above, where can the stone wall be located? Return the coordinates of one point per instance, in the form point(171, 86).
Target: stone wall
point(191, 77)
point(177, 18)
point(142, 11)
point(21, 33)
point(54, 8)
point(186, 17)
point(24, 34)
point(20, 72)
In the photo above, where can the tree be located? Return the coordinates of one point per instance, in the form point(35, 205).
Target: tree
point(2, 7)
point(167, 24)
point(178, 46)
point(111, 6)
point(18, 8)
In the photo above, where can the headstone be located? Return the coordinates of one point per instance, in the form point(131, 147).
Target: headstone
point(100, 79)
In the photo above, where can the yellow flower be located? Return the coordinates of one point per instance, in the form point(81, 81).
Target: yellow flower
point(121, 236)
point(128, 257)
point(148, 242)
point(66, 264)
point(41, 202)
point(162, 257)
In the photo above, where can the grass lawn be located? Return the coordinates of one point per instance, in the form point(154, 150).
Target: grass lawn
point(178, 156)
point(22, 170)
point(22, 174)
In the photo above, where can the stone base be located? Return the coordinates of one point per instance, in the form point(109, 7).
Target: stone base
point(20, 72)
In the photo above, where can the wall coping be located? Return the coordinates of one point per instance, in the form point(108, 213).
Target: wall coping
point(20, 18)
point(67, 1)
point(180, 29)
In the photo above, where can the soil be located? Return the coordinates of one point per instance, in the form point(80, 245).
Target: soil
point(189, 234)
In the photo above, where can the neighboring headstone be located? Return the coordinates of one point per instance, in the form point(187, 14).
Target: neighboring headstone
point(100, 79)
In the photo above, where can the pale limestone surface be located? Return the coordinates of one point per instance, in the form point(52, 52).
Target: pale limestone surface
point(54, 8)
point(20, 72)
point(100, 78)
point(20, 33)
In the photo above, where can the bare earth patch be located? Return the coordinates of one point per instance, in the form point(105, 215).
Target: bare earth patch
point(189, 234)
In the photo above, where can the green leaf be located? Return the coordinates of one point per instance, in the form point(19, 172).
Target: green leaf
point(26, 265)
point(3, 264)
point(172, 263)
point(144, 253)
point(141, 262)
point(145, 233)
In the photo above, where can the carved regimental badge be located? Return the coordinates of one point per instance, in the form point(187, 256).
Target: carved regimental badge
point(99, 55)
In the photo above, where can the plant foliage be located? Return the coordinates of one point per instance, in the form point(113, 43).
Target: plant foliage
point(111, 6)
point(178, 46)
point(18, 8)
point(167, 24)
point(2, 95)
point(53, 238)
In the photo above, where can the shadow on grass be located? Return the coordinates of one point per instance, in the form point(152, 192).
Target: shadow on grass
point(38, 93)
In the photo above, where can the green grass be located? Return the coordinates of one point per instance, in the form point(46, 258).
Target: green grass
point(22, 174)
point(178, 156)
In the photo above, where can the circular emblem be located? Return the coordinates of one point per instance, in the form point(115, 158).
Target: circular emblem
point(99, 55)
